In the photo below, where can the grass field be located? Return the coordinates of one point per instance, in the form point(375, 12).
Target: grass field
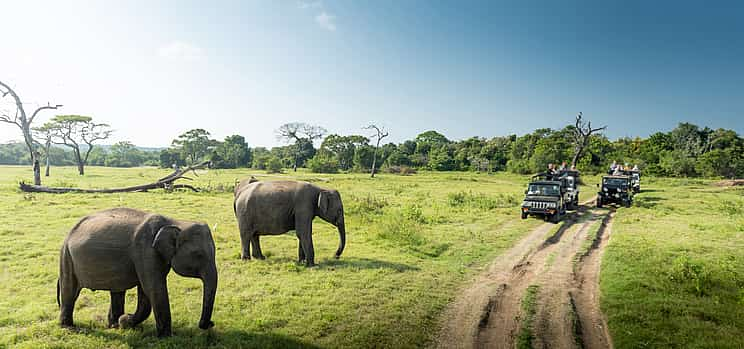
point(412, 241)
point(672, 273)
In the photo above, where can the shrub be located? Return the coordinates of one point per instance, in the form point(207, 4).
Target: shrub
point(414, 213)
point(365, 205)
point(481, 201)
point(401, 170)
point(322, 164)
point(274, 165)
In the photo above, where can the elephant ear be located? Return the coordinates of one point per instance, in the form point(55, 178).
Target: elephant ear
point(166, 241)
point(323, 202)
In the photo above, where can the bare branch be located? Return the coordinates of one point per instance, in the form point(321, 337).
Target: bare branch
point(48, 106)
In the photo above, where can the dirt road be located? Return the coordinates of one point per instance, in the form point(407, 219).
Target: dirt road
point(561, 266)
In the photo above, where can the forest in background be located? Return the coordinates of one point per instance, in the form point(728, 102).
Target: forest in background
point(686, 151)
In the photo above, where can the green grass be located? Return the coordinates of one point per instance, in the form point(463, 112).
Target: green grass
point(529, 309)
point(673, 274)
point(409, 249)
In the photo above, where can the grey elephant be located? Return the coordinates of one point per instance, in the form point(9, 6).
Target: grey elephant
point(275, 207)
point(121, 248)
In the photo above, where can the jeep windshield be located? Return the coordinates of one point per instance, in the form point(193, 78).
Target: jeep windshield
point(615, 182)
point(543, 189)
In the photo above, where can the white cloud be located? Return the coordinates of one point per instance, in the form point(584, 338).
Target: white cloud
point(180, 50)
point(309, 4)
point(326, 21)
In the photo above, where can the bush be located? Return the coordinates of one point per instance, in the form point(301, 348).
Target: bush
point(322, 164)
point(481, 201)
point(274, 165)
point(401, 170)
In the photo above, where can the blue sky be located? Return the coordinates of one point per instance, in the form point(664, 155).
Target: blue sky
point(475, 68)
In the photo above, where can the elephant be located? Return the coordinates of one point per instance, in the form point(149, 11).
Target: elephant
point(275, 207)
point(120, 248)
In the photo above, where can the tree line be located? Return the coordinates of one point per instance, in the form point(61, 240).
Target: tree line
point(686, 151)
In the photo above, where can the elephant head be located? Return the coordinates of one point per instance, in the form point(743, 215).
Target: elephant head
point(191, 253)
point(331, 210)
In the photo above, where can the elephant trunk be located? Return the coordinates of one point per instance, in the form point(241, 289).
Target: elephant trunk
point(342, 237)
point(209, 279)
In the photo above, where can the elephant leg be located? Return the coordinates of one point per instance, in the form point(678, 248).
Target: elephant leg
point(68, 295)
point(305, 233)
point(161, 309)
point(142, 312)
point(68, 289)
point(300, 252)
point(116, 309)
point(256, 247)
point(245, 243)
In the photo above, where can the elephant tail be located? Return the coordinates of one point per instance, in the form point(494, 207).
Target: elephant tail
point(58, 304)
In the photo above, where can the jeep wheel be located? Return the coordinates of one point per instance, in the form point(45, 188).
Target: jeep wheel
point(524, 215)
point(555, 218)
point(627, 203)
point(599, 203)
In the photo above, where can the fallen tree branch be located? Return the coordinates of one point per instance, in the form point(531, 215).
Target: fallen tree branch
point(164, 183)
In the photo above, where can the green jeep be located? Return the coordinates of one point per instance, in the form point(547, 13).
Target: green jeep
point(546, 198)
point(615, 189)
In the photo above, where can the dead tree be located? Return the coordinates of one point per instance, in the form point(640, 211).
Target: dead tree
point(380, 133)
point(166, 183)
point(23, 122)
point(582, 134)
point(298, 133)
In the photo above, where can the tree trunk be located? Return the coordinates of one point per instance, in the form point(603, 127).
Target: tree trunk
point(374, 161)
point(46, 172)
point(80, 165)
point(37, 172)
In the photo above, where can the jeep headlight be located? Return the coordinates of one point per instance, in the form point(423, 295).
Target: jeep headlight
point(526, 204)
point(605, 189)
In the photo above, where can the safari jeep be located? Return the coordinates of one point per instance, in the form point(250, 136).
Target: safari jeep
point(570, 179)
point(615, 189)
point(545, 198)
point(635, 180)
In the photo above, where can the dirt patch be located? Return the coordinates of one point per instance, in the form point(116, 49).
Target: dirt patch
point(729, 183)
point(488, 314)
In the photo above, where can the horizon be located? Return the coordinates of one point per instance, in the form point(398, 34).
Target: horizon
point(481, 69)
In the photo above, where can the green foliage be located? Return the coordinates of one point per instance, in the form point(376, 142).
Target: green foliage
point(481, 201)
point(323, 164)
point(274, 165)
point(343, 148)
point(232, 153)
point(194, 145)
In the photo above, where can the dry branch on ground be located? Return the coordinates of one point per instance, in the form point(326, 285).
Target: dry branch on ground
point(166, 183)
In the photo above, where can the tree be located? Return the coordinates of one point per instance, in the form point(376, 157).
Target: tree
point(232, 153)
point(171, 158)
point(72, 130)
point(23, 122)
point(582, 133)
point(342, 148)
point(123, 154)
point(380, 133)
point(299, 133)
point(194, 145)
point(46, 133)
